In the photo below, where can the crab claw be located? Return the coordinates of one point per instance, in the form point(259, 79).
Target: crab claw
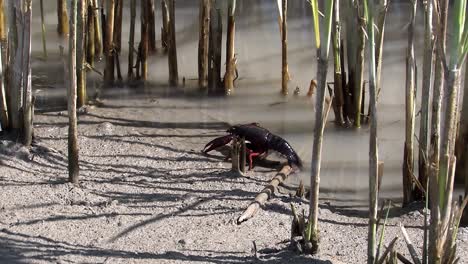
point(217, 142)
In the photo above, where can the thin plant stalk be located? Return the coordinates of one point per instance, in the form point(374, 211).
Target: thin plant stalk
point(172, 46)
point(80, 54)
point(90, 35)
point(109, 42)
point(62, 14)
point(229, 75)
point(284, 50)
point(3, 29)
point(280, 16)
point(118, 12)
point(464, 133)
point(28, 107)
point(322, 44)
point(373, 142)
point(359, 81)
point(408, 155)
point(438, 91)
point(98, 47)
point(165, 25)
point(214, 53)
point(338, 83)
point(14, 95)
point(440, 238)
point(351, 51)
point(382, 232)
point(4, 119)
point(4, 122)
point(43, 30)
point(144, 39)
point(383, 9)
point(131, 42)
point(436, 122)
point(152, 26)
point(203, 43)
point(73, 167)
point(428, 63)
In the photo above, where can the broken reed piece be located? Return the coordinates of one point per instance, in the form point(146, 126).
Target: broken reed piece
point(265, 194)
point(411, 249)
point(242, 155)
point(238, 156)
point(312, 87)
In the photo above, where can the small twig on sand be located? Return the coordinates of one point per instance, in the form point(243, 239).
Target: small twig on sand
point(266, 193)
point(255, 250)
point(387, 251)
point(411, 248)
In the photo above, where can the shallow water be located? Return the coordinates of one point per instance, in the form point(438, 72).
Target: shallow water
point(256, 98)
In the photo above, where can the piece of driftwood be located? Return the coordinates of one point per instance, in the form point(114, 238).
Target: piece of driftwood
point(266, 193)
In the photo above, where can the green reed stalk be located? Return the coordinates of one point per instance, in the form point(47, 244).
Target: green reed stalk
point(323, 44)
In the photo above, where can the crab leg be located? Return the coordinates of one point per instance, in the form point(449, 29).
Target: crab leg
point(217, 142)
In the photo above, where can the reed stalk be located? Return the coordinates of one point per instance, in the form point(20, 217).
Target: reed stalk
point(62, 15)
point(13, 89)
point(230, 56)
point(81, 54)
point(441, 32)
point(28, 107)
point(428, 63)
point(172, 47)
point(152, 26)
point(373, 142)
point(144, 43)
point(410, 106)
point(203, 43)
point(4, 122)
point(441, 237)
point(109, 42)
point(43, 30)
point(323, 26)
point(3, 28)
point(165, 25)
point(118, 25)
point(338, 75)
point(438, 87)
point(351, 51)
point(4, 119)
point(214, 52)
point(73, 167)
point(383, 9)
point(284, 48)
point(90, 35)
point(131, 41)
point(98, 35)
point(464, 135)
point(360, 60)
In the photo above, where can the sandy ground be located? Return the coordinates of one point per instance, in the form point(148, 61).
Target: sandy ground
point(148, 195)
